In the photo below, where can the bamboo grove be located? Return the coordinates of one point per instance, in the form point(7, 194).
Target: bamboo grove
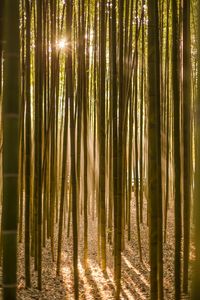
point(99, 118)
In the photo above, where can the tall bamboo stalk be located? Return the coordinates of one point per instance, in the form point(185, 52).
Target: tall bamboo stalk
point(10, 153)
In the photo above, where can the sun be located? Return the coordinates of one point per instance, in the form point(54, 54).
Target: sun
point(62, 43)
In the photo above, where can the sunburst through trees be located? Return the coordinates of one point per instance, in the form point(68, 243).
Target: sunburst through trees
point(100, 146)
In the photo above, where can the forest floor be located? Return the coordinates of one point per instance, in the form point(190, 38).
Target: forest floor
point(93, 284)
